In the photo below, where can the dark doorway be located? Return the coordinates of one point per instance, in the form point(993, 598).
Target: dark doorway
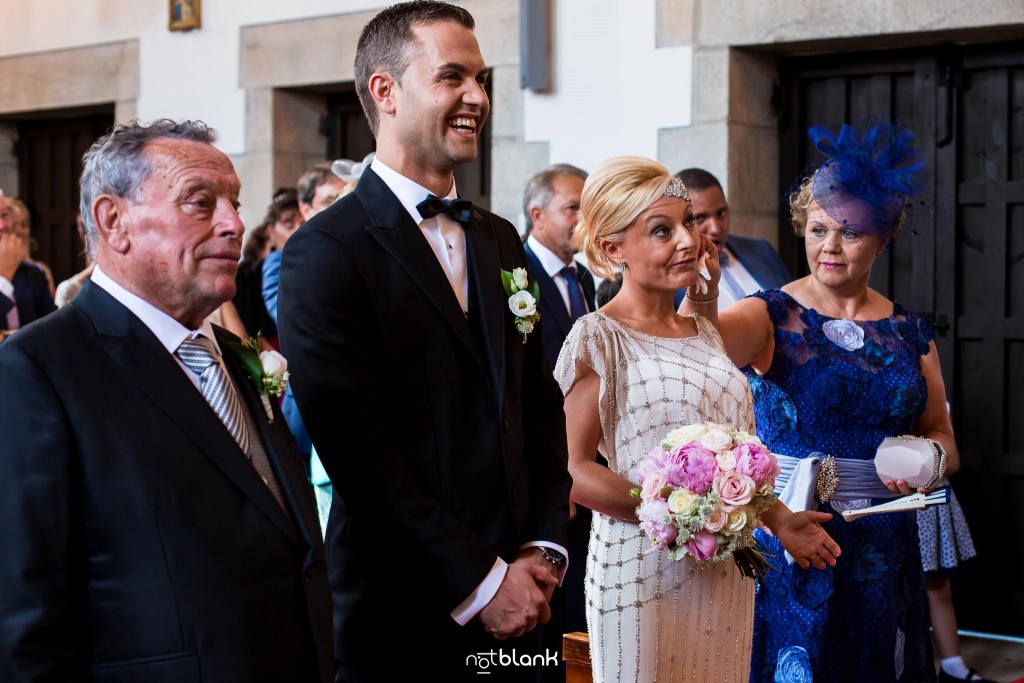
point(961, 263)
point(349, 137)
point(49, 151)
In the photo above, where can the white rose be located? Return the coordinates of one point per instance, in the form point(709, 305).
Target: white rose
point(682, 501)
point(716, 440)
point(519, 278)
point(274, 364)
point(744, 437)
point(737, 521)
point(726, 461)
point(522, 304)
point(677, 437)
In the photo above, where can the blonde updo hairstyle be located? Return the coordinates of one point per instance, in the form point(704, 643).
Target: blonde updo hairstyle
point(618, 191)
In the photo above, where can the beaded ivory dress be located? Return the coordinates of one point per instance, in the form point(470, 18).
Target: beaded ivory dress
point(651, 618)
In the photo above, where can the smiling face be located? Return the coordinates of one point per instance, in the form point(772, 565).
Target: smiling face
point(840, 255)
point(660, 247)
point(440, 107)
point(177, 243)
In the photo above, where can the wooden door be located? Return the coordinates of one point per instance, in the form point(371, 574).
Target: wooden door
point(50, 165)
point(960, 262)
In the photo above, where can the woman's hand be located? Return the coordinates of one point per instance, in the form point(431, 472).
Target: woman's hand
point(900, 486)
point(802, 536)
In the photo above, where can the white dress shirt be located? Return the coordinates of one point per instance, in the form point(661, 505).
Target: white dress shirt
point(741, 284)
point(448, 240)
point(553, 266)
point(7, 289)
point(444, 234)
point(167, 330)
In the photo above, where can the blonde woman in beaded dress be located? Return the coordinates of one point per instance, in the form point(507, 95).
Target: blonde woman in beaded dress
point(630, 372)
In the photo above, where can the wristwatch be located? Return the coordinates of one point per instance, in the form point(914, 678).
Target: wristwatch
point(553, 556)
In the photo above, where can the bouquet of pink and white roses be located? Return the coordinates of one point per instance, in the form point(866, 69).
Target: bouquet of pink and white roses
point(703, 490)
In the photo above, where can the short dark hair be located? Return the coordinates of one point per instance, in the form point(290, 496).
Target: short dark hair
point(387, 44)
point(255, 243)
point(607, 290)
point(312, 179)
point(540, 187)
point(698, 179)
point(285, 199)
point(116, 164)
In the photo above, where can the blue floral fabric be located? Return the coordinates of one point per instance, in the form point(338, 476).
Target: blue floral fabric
point(866, 619)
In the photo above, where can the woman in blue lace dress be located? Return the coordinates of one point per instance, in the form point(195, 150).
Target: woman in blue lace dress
point(835, 368)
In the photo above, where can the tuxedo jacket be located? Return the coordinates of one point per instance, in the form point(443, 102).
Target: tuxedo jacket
point(760, 259)
point(442, 433)
point(139, 543)
point(555, 320)
point(32, 296)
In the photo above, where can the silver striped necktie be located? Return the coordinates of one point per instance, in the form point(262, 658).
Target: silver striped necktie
point(200, 356)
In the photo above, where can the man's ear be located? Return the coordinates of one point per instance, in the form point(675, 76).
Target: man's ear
point(535, 212)
point(382, 90)
point(112, 223)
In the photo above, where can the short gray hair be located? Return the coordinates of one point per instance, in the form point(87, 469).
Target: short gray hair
point(541, 187)
point(116, 164)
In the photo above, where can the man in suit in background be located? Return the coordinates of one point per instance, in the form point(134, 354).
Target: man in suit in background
point(749, 264)
point(155, 519)
point(551, 203)
point(440, 427)
point(24, 292)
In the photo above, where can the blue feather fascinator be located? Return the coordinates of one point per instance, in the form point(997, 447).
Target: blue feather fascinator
point(866, 180)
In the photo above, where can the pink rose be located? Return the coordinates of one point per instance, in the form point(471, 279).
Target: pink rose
point(702, 546)
point(757, 462)
point(652, 462)
point(716, 520)
point(692, 466)
point(734, 489)
point(653, 485)
point(726, 461)
point(654, 522)
point(716, 440)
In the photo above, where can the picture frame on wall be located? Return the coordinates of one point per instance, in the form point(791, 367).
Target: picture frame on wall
point(184, 15)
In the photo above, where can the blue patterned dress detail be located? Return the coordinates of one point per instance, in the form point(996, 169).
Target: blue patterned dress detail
point(867, 618)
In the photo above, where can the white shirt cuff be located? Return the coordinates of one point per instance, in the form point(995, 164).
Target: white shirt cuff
point(483, 594)
point(6, 288)
point(553, 546)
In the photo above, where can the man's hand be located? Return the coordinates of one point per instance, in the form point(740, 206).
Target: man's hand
point(521, 601)
point(12, 253)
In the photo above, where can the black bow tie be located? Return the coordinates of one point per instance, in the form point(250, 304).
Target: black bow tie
point(459, 209)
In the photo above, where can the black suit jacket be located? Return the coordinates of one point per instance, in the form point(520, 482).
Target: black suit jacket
point(32, 296)
point(555, 321)
point(139, 544)
point(443, 435)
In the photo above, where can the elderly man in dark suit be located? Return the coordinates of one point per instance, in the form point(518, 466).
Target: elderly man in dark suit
point(155, 519)
point(749, 264)
point(24, 293)
point(435, 417)
point(551, 204)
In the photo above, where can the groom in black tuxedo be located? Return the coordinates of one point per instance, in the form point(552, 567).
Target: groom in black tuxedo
point(156, 523)
point(441, 431)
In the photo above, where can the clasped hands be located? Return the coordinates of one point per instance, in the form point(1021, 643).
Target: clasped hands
point(522, 599)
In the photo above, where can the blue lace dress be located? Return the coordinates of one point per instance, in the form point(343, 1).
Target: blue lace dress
point(866, 619)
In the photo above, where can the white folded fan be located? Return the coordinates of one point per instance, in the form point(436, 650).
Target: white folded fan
point(915, 501)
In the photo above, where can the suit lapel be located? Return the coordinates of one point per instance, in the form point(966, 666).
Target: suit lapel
point(291, 478)
point(488, 293)
point(398, 234)
point(145, 362)
point(550, 298)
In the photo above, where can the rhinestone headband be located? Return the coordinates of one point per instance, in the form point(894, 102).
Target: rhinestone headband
point(676, 188)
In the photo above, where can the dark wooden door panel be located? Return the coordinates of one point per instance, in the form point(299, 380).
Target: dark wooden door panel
point(960, 261)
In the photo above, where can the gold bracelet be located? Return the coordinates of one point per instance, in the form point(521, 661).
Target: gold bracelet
point(701, 303)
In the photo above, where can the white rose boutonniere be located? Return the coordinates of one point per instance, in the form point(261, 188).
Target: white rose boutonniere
point(268, 369)
point(522, 299)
